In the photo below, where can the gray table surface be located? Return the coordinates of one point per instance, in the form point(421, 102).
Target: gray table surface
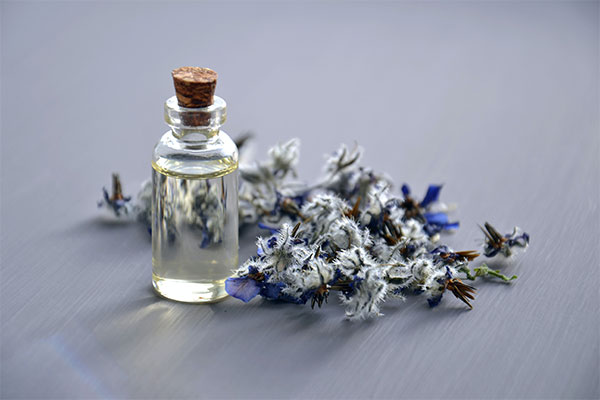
point(498, 101)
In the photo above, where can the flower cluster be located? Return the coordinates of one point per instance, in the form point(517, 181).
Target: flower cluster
point(349, 233)
point(365, 254)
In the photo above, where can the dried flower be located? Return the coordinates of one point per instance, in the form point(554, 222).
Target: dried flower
point(496, 244)
point(434, 222)
point(116, 202)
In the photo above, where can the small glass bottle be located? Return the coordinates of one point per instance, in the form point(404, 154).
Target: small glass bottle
point(194, 198)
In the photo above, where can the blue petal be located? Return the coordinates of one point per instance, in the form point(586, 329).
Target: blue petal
point(269, 228)
point(106, 195)
point(300, 199)
point(305, 297)
point(440, 249)
point(436, 218)
point(437, 222)
point(432, 229)
point(519, 240)
point(300, 299)
point(242, 288)
point(452, 225)
point(434, 301)
point(375, 223)
point(491, 251)
point(278, 195)
point(405, 190)
point(271, 290)
point(433, 192)
point(448, 274)
point(206, 241)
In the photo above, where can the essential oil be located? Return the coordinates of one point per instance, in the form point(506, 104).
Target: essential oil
point(195, 201)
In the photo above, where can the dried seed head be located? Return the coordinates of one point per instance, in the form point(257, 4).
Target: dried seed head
point(117, 190)
point(461, 290)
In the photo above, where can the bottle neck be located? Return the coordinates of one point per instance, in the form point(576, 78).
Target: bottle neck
point(195, 124)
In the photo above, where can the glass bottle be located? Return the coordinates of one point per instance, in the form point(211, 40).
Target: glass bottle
point(195, 203)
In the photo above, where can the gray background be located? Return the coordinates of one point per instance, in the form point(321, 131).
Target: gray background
point(498, 101)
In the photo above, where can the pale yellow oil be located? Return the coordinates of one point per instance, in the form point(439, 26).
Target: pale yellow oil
point(194, 233)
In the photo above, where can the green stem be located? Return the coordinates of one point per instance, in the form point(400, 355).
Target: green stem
point(467, 271)
point(484, 270)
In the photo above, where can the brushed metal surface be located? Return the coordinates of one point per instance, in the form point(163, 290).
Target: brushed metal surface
point(498, 101)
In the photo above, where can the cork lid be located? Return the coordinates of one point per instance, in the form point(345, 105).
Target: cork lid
point(194, 86)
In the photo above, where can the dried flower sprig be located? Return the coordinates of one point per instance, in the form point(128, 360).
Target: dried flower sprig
point(366, 253)
point(348, 233)
point(116, 202)
point(495, 243)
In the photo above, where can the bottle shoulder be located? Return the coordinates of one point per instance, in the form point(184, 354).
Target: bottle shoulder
point(210, 158)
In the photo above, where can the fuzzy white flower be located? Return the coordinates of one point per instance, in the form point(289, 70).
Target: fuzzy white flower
point(284, 156)
point(369, 291)
point(321, 212)
point(313, 274)
point(284, 251)
point(345, 233)
point(350, 262)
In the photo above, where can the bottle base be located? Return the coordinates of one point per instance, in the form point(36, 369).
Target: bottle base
point(189, 291)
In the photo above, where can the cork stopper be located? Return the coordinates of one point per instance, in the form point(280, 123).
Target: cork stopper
point(194, 86)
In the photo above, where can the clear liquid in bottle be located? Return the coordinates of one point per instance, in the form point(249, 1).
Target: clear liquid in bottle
point(194, 236)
